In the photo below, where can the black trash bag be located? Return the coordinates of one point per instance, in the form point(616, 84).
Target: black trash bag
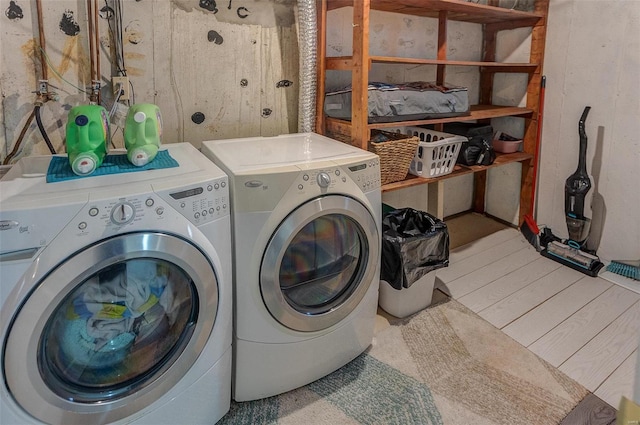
point(413, 244)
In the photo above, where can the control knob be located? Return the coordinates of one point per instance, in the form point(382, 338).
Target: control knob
point(324, 180)
point(122, 213)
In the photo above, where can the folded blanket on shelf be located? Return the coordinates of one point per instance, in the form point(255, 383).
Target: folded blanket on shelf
point(402, 102)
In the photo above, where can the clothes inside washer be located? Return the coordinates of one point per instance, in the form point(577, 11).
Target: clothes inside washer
point(119, 323)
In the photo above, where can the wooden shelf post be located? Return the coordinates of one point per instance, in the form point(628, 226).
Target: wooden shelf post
point(360, 74)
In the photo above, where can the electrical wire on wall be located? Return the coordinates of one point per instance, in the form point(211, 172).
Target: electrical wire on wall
point(115, 32)
point(113, 111)
point(114, 15)
point(53, 69)
point(116, 36)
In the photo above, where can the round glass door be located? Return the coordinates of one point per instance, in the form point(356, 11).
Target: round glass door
point(319, 263)
point(111, 329)
point(116, 328)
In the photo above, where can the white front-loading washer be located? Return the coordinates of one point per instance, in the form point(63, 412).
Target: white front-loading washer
point(306, 229)
point(116, 297)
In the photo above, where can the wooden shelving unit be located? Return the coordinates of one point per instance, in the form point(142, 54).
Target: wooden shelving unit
point(493, 19)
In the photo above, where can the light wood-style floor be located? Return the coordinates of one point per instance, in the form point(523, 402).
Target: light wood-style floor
point(587, 327)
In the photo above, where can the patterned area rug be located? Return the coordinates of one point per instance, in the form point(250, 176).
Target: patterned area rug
point(444, 365)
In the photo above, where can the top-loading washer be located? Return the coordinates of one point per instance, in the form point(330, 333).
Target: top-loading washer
point(116, 298)
point(306, 229)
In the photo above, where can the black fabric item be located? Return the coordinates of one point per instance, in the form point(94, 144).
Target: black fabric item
point(469, 129)
point(413, 244)
point(477, 151)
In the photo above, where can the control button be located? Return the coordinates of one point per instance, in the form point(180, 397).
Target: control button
point(300, 187)
point(82, 225)
point(218, 208)
point(160, 210)
point(337, 172)
point(210, 188)
point(305, 177)
point(93, 212)
point(149, 202)
point(217, 186)
point(204, 213)
point(196, 215)
point(223, 184)
point(211, 210)
point(224, 206)
point(182, 205)
point(344, 179)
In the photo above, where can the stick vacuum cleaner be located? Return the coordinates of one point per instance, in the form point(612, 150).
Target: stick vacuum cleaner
point(572, 252)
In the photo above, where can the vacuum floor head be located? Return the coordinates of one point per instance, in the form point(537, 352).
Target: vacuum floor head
point(572, 257)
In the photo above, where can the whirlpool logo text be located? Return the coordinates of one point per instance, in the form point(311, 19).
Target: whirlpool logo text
point(8, 224)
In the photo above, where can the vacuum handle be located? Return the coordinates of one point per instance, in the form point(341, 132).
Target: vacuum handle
point(582, 158)
point(583, 118)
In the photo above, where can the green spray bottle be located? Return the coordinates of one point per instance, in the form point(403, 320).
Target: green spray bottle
point(87, 138)
point(142, 133)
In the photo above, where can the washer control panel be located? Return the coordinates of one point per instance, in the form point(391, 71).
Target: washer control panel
point(114, 214)
point(202, 203)
point(365, 174)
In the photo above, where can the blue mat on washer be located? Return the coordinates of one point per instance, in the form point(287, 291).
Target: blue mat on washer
point(60, 170)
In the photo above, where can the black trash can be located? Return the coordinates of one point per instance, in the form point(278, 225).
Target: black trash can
point(414, 245)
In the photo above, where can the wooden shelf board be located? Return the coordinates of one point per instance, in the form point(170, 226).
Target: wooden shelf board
point(458, 170)
point(478, 112)
point(457, 10)
point(345, 63)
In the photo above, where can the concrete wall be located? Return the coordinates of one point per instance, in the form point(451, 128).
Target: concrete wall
point(593, 58)
point(216, 69)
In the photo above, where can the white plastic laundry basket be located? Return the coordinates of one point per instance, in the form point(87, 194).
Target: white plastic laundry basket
point(437, 152)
